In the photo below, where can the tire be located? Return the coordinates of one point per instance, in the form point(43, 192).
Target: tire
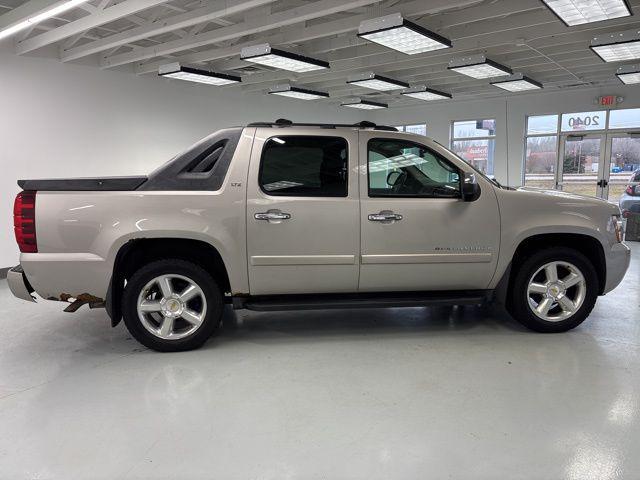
point(181, 305)
point(526, 296)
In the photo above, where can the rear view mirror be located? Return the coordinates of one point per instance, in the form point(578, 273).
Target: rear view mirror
point(470, 187)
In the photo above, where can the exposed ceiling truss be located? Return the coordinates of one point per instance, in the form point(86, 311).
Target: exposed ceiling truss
point(142, 35)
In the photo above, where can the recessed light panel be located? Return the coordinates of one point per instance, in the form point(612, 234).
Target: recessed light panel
point(578, 12)
point(271, 57)
point(629, 74)
point(479, 67)
point(518, 83)
point(617, 47)
point(393, 31)
point(174, 70)
point(426, 94)
point(364, 104)
point(297, 92)
point(376, 82)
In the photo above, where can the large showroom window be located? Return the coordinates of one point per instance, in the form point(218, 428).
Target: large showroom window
point(398, 168)
point(419, 129)
point(541, 151)
point(590, 152)
point(475, 141)
point(304, 166)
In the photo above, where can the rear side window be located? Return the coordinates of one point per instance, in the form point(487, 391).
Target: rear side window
point(311, 166)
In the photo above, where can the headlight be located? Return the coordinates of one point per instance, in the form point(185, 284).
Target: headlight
point(615, 226)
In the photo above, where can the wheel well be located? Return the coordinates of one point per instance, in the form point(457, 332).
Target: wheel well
point(590, 247)
point(136, 253)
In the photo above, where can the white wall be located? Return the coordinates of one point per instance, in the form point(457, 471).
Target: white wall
point(64, 120)
point(509, 112)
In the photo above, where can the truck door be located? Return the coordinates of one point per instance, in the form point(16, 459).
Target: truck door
point(417, 232)
point(303, 233)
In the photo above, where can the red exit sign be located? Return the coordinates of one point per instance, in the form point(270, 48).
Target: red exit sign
point(608, 100)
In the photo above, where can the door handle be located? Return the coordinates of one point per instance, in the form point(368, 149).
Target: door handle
point(272, 215)
point(384, 216)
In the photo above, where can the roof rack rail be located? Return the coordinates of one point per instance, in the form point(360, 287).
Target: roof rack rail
point(283, 122)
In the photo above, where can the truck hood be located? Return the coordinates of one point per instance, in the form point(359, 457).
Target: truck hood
point(566, 199)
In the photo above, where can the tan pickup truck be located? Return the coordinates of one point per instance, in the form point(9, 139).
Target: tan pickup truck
point(276, 216)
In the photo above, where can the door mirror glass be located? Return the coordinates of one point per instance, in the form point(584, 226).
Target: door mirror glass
point(470, 187)
point(393, 178)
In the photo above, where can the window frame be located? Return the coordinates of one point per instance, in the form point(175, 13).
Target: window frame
point(305, 195)
point(453, 139)
point(419, 145)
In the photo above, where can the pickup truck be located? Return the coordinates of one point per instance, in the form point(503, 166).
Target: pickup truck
point(276, 216)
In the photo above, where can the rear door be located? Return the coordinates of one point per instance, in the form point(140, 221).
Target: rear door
point(417, 232)
point(303, 234)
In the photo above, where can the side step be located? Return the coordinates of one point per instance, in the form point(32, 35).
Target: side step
point(269, 303)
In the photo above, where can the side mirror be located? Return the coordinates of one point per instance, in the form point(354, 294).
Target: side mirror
point(470, 188)
point(393, 177)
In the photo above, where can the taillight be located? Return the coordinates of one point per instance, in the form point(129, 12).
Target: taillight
point(24, 221)
point(629, 190)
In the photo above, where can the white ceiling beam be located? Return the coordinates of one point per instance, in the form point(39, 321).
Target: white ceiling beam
point(322, 30)
point(214, 10)
point(99, 17)
point(255, 25)
point(27, 10)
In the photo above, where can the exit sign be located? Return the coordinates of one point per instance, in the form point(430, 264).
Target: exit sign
point(608, 100)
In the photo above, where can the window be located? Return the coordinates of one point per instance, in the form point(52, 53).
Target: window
point(583, 121)
point(474, 141)
point(420, 129)
point(304, 166)
point(627, 118)
point(541, 151)
point(398, 168)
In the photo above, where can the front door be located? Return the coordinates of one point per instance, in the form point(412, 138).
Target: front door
point(303, 211)
point(417, 232)
point(581, 166)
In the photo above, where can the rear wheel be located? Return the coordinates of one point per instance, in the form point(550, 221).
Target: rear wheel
point(172, 305)
point(554, 290)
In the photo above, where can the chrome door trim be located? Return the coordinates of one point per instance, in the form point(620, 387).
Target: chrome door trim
point(275, 260)
point(409, 258)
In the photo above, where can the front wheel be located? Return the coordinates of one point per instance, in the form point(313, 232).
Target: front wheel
point(172, 305)
point(554, 290)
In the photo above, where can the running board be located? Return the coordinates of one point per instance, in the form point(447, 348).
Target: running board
point(269, 303)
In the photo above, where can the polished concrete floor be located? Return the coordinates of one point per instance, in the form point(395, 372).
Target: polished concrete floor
point(373, 394)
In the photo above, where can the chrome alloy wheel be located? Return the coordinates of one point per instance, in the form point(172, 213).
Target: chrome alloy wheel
point(556, 291)
point(171, 307)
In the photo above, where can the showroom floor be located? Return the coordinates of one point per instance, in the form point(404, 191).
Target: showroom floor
point(397, 393)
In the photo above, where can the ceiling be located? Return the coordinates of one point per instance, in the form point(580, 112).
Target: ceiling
point(141, 35)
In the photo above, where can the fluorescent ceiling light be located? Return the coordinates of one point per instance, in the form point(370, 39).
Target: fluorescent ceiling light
point(364, 104)
point(271, 57)
point(478, 66)
point(423, 93)
point(578, 12)
point(617, 47)
point(34, 19)
point(174, 70)
point(376, 82)
point(518, 83)
point(393, 31)
point(297, 92)
point(629, 74)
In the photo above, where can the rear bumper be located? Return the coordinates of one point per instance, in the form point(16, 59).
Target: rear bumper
point(19, 285)
point(618, 258)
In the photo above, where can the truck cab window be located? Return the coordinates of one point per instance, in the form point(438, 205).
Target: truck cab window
point(304, 166)
point(399, 168)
